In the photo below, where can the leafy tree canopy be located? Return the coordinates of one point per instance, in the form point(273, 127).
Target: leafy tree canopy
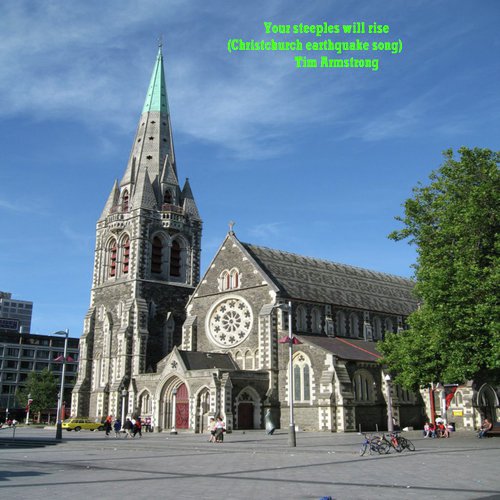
point(454, 221)
point(43, 388)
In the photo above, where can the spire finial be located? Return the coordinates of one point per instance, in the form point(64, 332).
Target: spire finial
point(160, 42)
point(231, 225)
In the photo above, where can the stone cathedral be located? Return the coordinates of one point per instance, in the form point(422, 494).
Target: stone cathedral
point(161, 343)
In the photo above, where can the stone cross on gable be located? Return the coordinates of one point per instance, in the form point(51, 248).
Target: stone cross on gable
point(231, 225)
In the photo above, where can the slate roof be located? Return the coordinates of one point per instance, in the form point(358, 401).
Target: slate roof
point(197, 360)
point(348, 349)
point(316, 280)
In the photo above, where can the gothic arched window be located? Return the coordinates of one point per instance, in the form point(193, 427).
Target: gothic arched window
point(156, 255)
point(175, 259)
point(354, 325)
point(248, 360)
point(301, 378)
point(301, 319)
point(363, 385)
point(126, 255)
point(316, 320)
point(167, 197)
point(113, 250)
point(377, 328)
point(389, 326)
point(341, 326)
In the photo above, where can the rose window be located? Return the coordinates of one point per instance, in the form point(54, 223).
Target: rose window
point(230, 322)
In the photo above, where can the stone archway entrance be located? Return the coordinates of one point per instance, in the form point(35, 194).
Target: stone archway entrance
point(487, 403)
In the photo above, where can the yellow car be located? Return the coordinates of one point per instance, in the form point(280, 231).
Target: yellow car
point(77, 424)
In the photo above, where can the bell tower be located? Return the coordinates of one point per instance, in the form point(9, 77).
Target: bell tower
point(147, 263)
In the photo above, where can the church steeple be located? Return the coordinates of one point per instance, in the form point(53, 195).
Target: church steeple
point(153, 147)
point(146, 266)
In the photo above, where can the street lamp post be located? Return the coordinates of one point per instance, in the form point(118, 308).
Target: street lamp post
point(124, 400)
point(390, 423)
point(174, 404)
point(291, 431)
point(28, 410)
point(61, 389)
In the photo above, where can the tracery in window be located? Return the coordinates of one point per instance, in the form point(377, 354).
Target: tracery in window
point(229, 280)
point(363, 385)
point(301, 378)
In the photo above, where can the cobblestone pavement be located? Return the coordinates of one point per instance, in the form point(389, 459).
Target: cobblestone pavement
point(248, 465)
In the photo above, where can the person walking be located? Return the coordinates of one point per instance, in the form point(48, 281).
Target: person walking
point(138, 427)
point(128, 427)
point(211, 429)
point(220, 428)
point(108, 424)
point(117, 427)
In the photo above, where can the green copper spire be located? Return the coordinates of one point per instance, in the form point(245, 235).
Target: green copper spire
point(156, 99)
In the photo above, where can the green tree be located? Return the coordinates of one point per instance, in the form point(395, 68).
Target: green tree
point(454, 335)
point(43, 387)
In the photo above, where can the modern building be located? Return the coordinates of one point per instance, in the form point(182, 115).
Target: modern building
point(15, 315)
point(23, 353)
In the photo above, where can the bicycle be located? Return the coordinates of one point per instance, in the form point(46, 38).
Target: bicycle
point(373, 444)
point(368, 445)
point(401, 443)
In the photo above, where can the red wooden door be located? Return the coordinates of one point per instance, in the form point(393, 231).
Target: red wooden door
point(182, 408)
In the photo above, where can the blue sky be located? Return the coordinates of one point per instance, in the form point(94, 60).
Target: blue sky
point(312, 161)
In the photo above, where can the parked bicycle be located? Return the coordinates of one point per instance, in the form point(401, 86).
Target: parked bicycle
point(371, 444)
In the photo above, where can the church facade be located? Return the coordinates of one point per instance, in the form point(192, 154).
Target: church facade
point(161, 343)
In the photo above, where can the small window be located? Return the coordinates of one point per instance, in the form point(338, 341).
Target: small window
point(126, 255)
point(112, 258)
point(125, 201)
point(175, 259)
point(157, 254)
point(167, 197)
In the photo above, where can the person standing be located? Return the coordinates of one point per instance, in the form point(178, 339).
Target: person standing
point(268, 420)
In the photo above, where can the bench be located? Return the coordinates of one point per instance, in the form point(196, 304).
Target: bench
point(495, 430)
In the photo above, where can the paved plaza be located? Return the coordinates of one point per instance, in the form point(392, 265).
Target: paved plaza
point(248, 465)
